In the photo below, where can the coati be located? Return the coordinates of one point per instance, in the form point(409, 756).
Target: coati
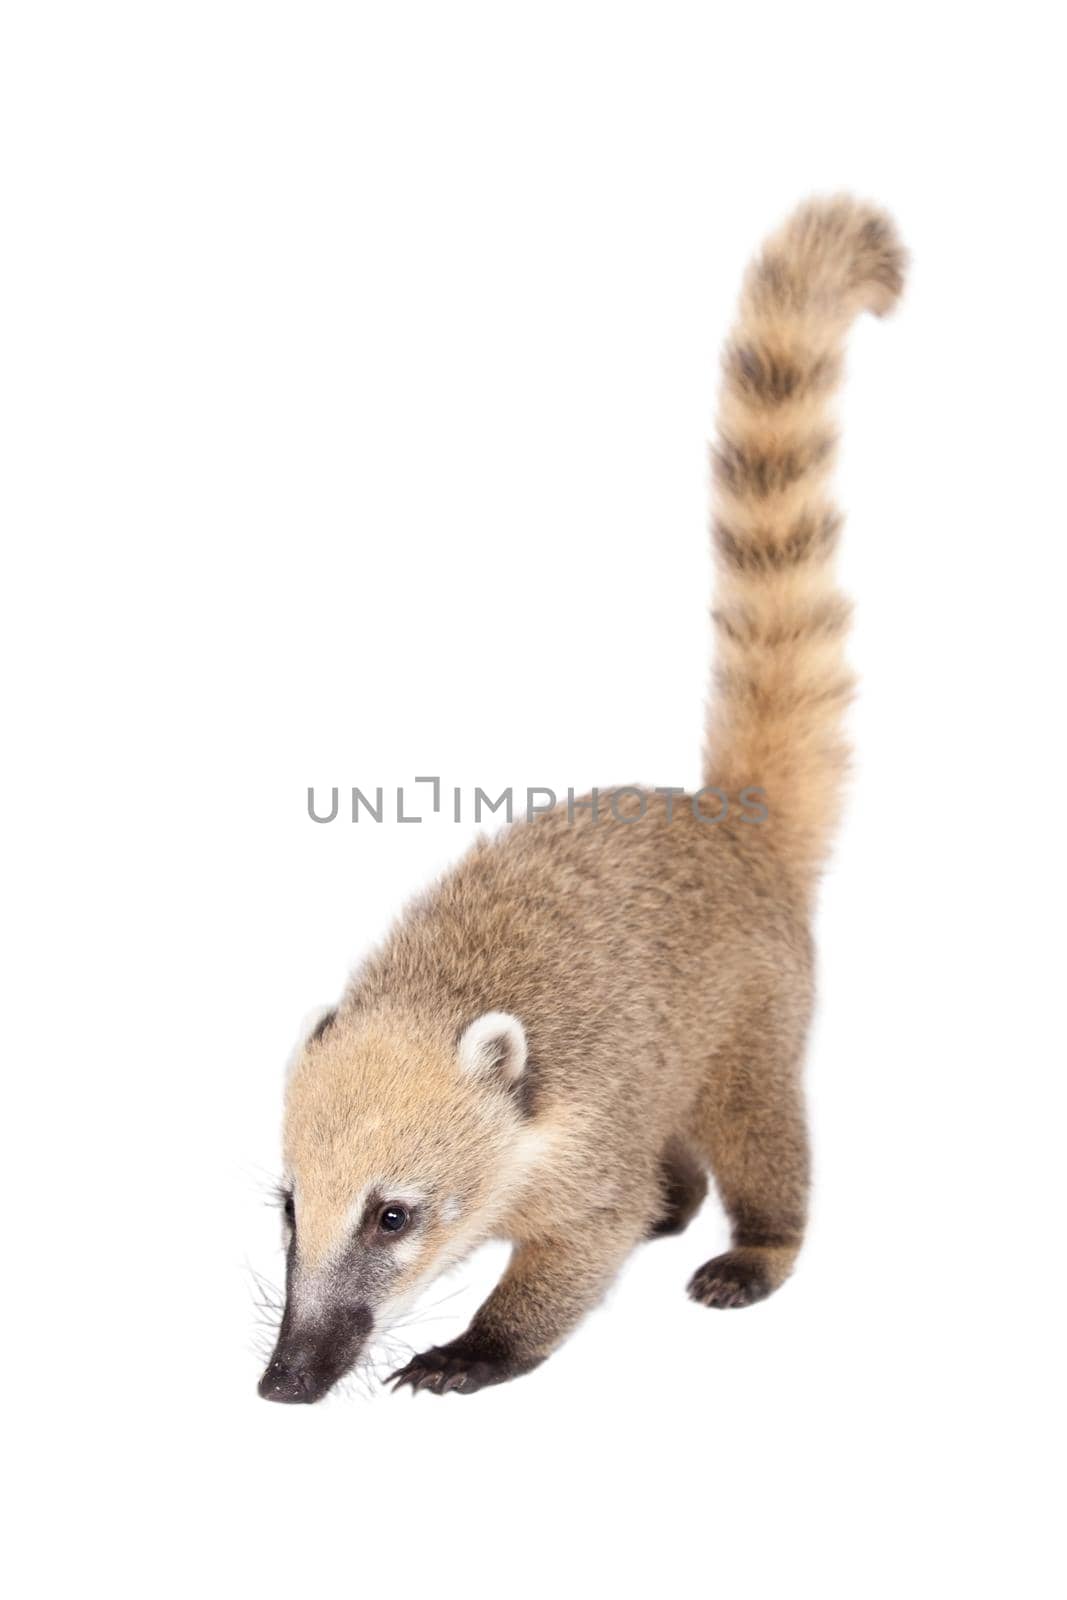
point(591, 1012)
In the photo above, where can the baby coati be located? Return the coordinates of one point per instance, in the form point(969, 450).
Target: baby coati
point(600, 1006)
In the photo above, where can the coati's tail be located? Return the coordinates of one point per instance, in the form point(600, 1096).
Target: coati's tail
point(782, 685)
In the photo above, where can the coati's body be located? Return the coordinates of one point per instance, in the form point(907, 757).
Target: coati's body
point(590, 1013)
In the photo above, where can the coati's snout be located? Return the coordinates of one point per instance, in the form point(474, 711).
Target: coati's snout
point(311, 1355)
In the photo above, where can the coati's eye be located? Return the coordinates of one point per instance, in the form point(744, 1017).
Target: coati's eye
point(393, 1218)
point(289, 1207)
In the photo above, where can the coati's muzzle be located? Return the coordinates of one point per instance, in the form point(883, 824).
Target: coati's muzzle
point(313, 1352)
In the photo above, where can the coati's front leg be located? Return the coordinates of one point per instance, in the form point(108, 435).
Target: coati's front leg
point(756, 1141)
point(547, 1289)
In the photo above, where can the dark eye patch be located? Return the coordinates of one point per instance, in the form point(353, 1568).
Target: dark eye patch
point(393, 1218)
point(384, 1220)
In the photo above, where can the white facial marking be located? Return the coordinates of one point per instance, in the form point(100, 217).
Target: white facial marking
point(354, 1215)
point(405, 1251)
point(451, 1209)
point(496, 1041)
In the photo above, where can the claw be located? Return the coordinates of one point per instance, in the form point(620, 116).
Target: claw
point(446, 1371)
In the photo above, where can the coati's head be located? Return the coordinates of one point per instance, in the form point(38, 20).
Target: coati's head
point(402, 1147)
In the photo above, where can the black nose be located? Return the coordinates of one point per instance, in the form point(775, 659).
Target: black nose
point(291, 1385)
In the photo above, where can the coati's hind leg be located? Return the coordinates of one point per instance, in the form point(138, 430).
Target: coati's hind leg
point(756, 1141)
point(685, 1183)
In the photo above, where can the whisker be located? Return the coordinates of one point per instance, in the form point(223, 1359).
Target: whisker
point(461, 1288)
point(418, 1322)
point(266, 1179)
point(263, 1283)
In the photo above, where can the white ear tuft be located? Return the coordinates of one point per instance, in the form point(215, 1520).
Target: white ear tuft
point(316, 1022)
point(313, 1026)
point(494, 1043)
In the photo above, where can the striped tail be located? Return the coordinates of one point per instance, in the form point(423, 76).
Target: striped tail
point(782, 685)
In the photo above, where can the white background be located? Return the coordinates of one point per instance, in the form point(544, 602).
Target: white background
point(358, 365)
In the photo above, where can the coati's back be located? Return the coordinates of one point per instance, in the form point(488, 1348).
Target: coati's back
point(627, 944)
point(590, 1012)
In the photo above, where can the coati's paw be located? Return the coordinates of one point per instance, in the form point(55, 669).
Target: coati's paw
point(465, 1365)
point(738, 1278)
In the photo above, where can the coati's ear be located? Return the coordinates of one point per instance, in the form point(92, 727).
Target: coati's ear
point(320, 1020)
point(314, 1025)
point(495, 1043)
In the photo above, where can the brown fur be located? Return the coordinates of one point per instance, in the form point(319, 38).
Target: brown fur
point(661, 966)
